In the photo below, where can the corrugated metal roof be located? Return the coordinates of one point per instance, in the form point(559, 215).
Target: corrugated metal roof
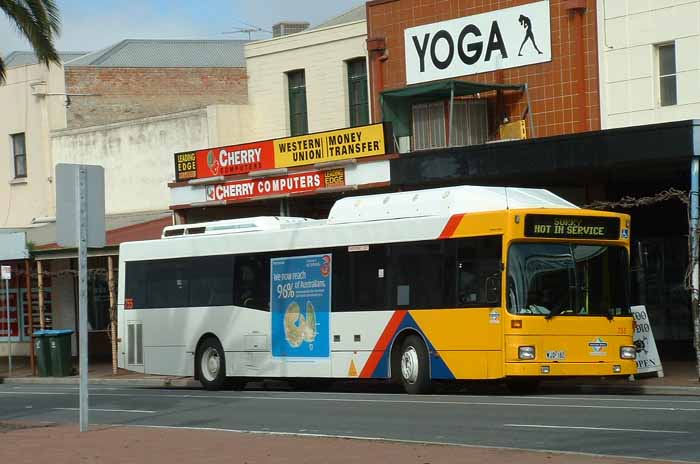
point(17, 58)
point(133, 53)
point(146, 225)
point(359, 13)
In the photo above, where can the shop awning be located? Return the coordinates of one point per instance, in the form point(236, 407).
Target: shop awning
point(396, 104)
point(119, 228)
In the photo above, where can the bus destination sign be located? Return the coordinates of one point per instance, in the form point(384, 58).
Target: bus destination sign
point(586, 227)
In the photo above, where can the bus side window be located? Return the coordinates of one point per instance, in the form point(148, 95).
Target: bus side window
point(420, 274)
point(358, 279)
point(252, 281)
point(479, 271)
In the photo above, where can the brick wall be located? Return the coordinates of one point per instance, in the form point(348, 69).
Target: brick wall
point(553, 85)
point(132, 93)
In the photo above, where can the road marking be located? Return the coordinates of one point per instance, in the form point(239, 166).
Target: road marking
point(368, 400)
point(534, 426)
point(108, 410)
point(395, 440)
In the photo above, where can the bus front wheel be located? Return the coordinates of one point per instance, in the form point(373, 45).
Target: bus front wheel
point(211, 364)
point(413, 366)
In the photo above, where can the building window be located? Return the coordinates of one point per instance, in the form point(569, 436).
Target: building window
point(19, 154)
point(357, 91)
point(298, 119)
point(431, 124)
point(667, 74)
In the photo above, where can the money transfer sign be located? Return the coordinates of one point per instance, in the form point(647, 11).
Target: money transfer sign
point(300, 306)
point(304, 150)
point(355, 142)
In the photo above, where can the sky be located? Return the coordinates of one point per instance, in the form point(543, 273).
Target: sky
point(89, 25)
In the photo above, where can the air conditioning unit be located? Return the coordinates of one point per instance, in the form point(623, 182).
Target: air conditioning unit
point(404, 144)
point(39, 88)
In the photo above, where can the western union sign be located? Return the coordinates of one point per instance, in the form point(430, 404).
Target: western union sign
point(322, 147)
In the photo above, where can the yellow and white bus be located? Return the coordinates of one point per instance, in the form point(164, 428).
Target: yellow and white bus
point(443, 284)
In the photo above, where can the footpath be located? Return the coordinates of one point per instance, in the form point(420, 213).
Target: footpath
point(63, 444)
point(680, 378)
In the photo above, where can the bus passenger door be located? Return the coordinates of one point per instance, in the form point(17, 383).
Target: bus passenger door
point(134, 346)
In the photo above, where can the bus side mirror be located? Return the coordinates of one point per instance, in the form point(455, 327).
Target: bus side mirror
point(493, 289)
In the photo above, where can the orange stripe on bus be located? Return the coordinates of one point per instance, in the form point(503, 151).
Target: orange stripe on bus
point(382, 344)
point(451, 226)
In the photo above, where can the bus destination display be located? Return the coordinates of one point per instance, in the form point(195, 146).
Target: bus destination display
point(586, 227)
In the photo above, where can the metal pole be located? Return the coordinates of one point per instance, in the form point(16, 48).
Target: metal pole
point(530, 117)
point(9, 329)
point(452, 104)
point(40, 277)
point(30, 310)
point(695, 276)
point(112, 313)
point(82, 299)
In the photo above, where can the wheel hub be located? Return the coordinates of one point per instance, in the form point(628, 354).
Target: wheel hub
point(409, 365)
point(211, 363)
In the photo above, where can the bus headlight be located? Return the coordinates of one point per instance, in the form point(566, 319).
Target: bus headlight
point(526, 352)
point(628, 352)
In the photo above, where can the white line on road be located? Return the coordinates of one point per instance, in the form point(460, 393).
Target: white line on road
point(108, 410)
point(372, 401)
point(534, 426)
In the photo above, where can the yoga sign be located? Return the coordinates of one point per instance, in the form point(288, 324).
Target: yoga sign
point(485, 42)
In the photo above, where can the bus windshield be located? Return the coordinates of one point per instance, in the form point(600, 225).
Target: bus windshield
point(553, 279)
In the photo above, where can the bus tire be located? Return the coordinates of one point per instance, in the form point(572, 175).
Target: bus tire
point(211, 364)
point(414, 366)
point(523, 385)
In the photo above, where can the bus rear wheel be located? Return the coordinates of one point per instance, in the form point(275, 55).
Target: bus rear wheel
point(413, 366)
point(211, 364)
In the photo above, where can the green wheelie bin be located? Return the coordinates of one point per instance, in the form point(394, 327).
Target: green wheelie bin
point(41, 348)
point(60, 352)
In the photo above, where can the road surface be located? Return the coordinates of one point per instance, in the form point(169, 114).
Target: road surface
point(657, 427)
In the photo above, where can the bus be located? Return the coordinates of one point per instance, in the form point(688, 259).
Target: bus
point(457, 283)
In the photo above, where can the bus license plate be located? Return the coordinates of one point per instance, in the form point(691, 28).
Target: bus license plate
point(556, 355)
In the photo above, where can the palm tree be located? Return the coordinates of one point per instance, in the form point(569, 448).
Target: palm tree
point(38, 21)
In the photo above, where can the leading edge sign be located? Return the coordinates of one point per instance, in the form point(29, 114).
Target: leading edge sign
point(485, 42)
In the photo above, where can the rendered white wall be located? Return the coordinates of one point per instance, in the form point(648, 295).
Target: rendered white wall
point(137, 156)
point(322, 54)
point(629, 31)
point(22, 111)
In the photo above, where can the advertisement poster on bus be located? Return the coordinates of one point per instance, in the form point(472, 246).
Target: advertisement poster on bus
point(278, 185)
point(648, 359)
point(300, 306)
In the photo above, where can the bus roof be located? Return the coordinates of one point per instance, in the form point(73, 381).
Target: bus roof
point(439, 202)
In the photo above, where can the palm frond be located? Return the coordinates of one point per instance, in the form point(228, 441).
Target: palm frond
point(39, 22)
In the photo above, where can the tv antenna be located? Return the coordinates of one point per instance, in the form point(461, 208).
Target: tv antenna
point(249, 29)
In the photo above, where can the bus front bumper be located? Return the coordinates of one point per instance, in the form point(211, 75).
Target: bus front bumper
point(558, 369)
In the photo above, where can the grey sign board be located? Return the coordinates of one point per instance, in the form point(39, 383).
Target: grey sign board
point(13, 245)
point(68, 204)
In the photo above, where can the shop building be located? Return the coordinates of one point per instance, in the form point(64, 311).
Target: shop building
point(309, 139)
point(459, 81)
point(649, 61)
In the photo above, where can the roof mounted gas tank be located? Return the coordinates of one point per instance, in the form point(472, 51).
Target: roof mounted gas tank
point(441, 202)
